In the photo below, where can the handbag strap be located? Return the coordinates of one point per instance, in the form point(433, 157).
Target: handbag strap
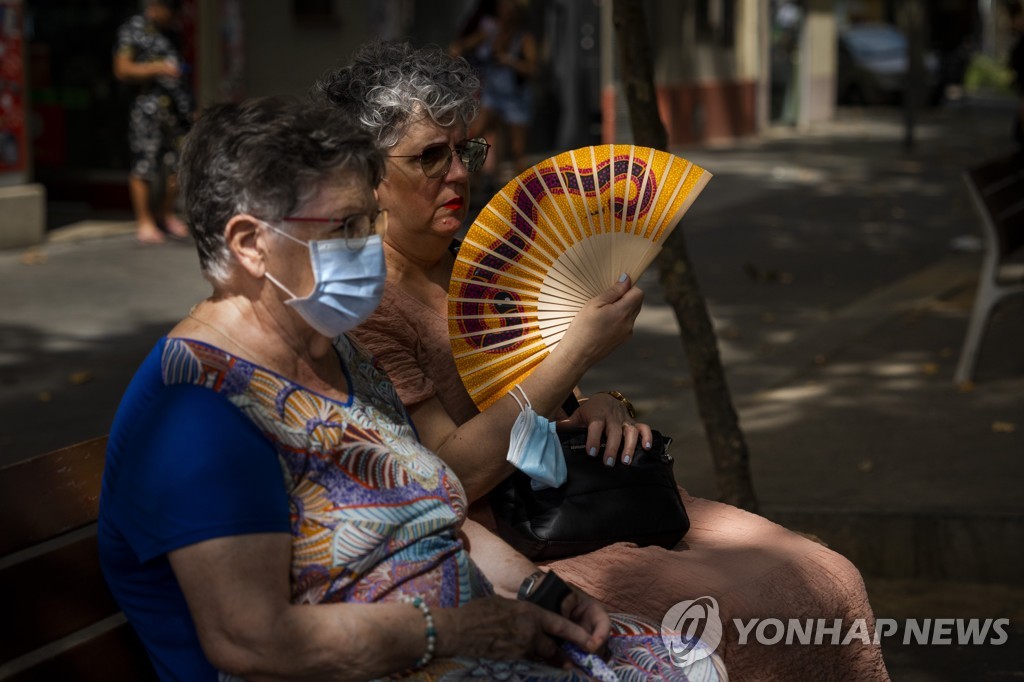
point(570, 405)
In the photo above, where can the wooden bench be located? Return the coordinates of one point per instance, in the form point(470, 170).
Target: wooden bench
point(60, 621)
point(997, 189)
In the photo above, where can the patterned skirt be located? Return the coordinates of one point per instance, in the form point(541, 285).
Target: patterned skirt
point(635, 652)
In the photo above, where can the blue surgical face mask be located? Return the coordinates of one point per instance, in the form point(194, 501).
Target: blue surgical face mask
point(347, 285)
point(534, 447)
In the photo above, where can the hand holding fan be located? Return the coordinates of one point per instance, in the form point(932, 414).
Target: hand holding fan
point(554, 237)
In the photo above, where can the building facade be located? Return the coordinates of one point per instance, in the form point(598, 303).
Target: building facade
point(723, 68)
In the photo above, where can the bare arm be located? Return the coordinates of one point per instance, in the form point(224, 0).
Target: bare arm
point(464, 45)
point(506, 569)
point(129, 71)
point(476, 450)
point(504, 566)
point(237, 592)
point(525, 64)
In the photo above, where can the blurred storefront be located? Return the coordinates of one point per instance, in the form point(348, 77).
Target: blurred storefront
point(723, 68)
point(78, 114)
point(78, 110)
point(729, 68)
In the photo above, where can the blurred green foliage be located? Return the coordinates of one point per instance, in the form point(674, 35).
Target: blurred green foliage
point(985, 73)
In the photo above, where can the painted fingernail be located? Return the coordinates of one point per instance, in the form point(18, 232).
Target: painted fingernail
point(623, 277)
point(592, 452)
point(625, 459)
point(647, 445)
point(610, 461)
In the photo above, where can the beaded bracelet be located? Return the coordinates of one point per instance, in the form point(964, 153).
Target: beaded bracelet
point(428, 655)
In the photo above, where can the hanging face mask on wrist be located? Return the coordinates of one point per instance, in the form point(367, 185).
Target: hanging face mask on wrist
point(534, 447)
point(348, 283)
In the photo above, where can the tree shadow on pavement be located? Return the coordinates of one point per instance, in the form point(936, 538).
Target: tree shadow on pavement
point(53, 398)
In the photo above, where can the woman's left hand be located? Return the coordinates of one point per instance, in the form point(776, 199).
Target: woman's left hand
point(589, 614)
point(603, 415)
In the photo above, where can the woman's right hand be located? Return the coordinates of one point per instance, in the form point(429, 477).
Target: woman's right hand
point(604, 323)
point(500, 628)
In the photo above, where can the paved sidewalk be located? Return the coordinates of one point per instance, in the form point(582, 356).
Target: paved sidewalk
point(826, 263)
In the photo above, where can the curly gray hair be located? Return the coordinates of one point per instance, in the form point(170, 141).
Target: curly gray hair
point(265, 157)
point(388, 85)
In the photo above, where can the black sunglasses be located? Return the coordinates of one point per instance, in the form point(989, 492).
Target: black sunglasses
point(436, 160)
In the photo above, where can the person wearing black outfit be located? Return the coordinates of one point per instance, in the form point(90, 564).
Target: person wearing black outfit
point(146, 57)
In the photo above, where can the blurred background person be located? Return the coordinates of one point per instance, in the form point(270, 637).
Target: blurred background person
point(146, 56)
point(504, 52)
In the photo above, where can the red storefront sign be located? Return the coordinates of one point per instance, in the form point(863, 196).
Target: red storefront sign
point(13, 147)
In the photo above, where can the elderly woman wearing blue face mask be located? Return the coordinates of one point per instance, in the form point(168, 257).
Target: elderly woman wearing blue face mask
point(267, 508)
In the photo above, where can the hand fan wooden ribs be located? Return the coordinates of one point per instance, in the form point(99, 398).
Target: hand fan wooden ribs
point(554, 237)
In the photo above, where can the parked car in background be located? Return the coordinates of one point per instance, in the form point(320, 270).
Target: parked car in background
point(873, 65)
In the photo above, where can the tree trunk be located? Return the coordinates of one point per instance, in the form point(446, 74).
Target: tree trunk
point(912, 21)
point(721, 425)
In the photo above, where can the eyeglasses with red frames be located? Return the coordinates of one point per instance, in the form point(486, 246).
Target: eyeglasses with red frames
point(436, 159)
point(355, 229)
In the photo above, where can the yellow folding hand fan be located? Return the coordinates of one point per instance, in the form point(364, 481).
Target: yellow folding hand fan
point(554, 237)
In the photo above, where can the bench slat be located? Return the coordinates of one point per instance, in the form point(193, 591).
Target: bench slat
point(116, 655)
point(50, 494)
point(1000, 188)
point(63, 623)
point(53, 595)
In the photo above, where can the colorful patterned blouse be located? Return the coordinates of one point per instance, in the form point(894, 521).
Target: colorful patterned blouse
point(206, 444)
point(374, 514)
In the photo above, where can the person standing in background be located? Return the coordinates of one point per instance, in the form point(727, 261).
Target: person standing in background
point(505, 53)
point(145, 56)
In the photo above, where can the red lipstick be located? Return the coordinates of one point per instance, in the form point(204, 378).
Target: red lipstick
point(454, 204)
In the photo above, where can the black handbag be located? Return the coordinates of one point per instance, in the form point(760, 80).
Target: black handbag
point(597, 506)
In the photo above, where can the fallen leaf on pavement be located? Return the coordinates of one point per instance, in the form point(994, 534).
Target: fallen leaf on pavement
point(33, 257)
point(866, 466)
point(966, 387)
point(930, 368)
point(79, 378)
point(1003, 427)
point(44, 396)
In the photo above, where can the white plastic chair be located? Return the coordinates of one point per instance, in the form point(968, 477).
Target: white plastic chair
point(997, 189)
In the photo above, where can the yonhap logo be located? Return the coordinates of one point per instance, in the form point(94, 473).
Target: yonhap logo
point(688, 624)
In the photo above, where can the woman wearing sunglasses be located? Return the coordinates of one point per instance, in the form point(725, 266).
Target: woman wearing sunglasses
point(418, 104)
